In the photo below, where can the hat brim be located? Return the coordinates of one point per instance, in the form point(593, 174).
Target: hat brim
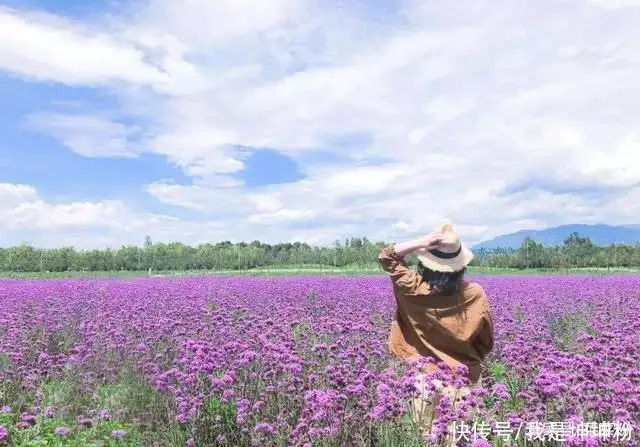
point(437, 264)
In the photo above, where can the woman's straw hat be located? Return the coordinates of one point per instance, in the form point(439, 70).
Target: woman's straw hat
point(451, 254)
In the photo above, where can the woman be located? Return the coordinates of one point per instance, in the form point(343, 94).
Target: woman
point(438, 314)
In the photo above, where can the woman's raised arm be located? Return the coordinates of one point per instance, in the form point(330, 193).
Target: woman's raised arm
point(428, 242)
point(391, 258)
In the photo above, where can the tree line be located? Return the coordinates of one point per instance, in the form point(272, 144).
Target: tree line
point(576, 251)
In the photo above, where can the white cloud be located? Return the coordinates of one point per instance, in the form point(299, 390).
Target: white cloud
point(113, 223)
point(616, 4)
point(25, 215)
point(45, 47)
point(12, 195)
point(284, 216)
point(48, 48)
point(195, 197)
point(89, 136)
point(21, 208)
point(203, 22)
point(463, 105)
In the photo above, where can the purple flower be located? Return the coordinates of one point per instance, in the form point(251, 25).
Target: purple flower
point(61, 431)
point(591, 442)
point(378, 413)
point(264, 427)
point(481, 443)
point(28, 418)
point(501, 391)
point(266, 348)
point(227, 395)
point(4, 433)
point(5, 410)
point(118, 434)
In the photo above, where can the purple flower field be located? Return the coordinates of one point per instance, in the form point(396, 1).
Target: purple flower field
point(303, 361)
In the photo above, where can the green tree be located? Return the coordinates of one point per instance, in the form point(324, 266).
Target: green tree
point(575, 251)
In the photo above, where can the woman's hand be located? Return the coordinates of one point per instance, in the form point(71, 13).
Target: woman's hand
point(428, 242)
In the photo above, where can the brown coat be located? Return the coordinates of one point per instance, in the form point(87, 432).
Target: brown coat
point(456, 329)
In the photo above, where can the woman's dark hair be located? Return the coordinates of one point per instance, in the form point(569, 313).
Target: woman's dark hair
point(447, 283)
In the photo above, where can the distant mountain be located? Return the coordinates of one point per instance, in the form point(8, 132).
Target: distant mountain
point(602, 235)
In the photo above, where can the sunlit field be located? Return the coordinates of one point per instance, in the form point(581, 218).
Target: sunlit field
point(303, 361)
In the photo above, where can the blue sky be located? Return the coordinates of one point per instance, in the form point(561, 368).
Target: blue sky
point(44, 162)
point(283, 120)
point(69, 9)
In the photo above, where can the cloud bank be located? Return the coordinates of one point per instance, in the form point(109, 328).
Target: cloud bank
point(496, 116)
